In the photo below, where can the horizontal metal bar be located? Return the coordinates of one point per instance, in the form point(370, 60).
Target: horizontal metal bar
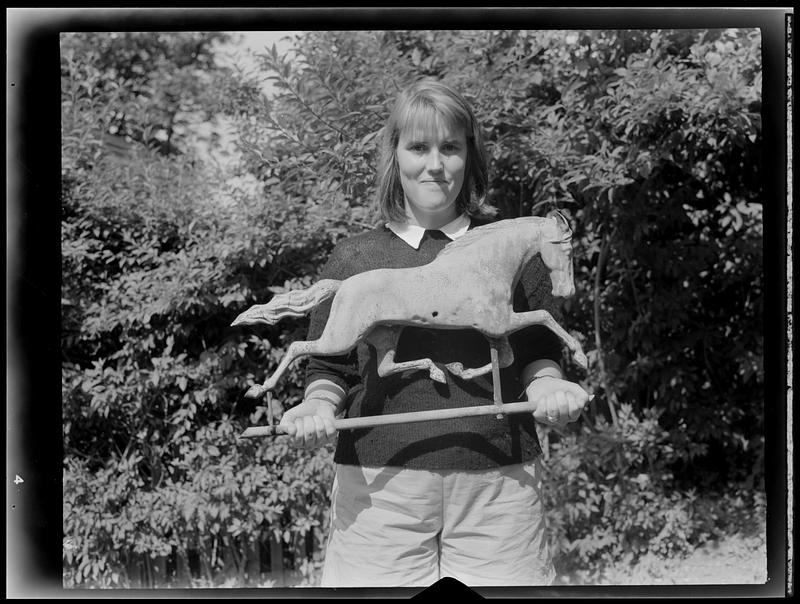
point(353, 423)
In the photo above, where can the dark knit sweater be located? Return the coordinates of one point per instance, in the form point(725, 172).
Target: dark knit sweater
point(466, 443)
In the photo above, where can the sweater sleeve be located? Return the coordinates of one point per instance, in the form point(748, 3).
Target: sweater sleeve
point(342, 369)
point(534, 293)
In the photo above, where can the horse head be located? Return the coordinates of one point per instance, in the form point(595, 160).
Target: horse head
point(556, 253)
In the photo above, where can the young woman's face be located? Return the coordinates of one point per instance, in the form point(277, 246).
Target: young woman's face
point(432, 162)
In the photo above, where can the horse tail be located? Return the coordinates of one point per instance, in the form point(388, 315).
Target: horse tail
point(295, 303)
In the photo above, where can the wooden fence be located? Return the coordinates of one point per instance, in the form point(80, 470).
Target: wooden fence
point(242, 564)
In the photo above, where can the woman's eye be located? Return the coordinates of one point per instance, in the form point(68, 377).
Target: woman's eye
point(423, 148)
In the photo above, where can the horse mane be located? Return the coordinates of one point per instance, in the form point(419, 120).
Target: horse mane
point(479, 233)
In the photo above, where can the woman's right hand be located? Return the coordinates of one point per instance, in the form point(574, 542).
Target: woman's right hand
point(310, 424)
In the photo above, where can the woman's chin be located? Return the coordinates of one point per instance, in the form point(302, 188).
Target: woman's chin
point(435, 206)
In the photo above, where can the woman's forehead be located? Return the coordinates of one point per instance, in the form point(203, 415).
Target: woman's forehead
point(430, 124)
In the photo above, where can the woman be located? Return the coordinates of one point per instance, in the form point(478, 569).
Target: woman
point(413, 503)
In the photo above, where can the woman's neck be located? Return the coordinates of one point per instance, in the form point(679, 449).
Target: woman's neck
point(428, 220)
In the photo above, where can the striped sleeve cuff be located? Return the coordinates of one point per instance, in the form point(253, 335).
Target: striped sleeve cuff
point(326, 390)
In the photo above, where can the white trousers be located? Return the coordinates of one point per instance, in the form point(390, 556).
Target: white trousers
point(393, 527)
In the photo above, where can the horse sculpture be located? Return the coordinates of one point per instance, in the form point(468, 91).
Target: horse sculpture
point(470, 284)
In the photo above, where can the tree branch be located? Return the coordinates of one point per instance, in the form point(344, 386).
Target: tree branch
point(610, 395)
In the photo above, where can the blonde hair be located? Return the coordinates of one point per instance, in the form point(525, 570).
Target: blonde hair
point(421, 104)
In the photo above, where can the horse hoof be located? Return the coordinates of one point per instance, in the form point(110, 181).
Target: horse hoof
point(581, 360)
point(437, 375)
point(255, 391)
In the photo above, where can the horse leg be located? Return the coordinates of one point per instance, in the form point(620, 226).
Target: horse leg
point(347, 325)
point(331, 342)
point(505, 358)
point(542, 317)
point(295, 351)
point(384, 338)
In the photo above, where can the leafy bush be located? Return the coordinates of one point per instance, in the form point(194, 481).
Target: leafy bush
point(159, 254)
point(220, 499)
point(649, 139)
point(613, 497)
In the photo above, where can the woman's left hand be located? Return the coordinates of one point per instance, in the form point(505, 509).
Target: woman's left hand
point(558, 401)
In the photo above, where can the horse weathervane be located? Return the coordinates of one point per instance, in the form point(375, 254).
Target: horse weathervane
point(469, 285)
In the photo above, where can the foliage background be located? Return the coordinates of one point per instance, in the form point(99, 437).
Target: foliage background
point(651, 140)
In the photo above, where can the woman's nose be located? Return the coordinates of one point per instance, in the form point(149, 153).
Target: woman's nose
point(434, 161)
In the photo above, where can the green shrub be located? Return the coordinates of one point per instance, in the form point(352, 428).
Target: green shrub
point(613, 497)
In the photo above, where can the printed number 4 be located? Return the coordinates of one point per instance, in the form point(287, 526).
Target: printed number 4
point(18, 479)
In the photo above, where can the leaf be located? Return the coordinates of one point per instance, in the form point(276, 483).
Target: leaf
point(369, 136)
point(713, 59)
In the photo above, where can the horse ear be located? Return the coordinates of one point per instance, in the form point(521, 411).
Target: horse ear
point(561, 220)
point(559, 217)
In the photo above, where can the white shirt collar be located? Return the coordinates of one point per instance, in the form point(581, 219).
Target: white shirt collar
point(412, 233)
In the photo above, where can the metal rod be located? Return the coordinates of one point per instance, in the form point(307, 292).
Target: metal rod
point(498, 395)
point(403, 418)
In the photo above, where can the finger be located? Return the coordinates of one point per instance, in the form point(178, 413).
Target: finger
point(319, 429)
point(299, 432)
point(575, 407)
point(551, 409)
point(330, 429)
point(309, 431)
point(288, 423)
point(562, 406)
point(546, 410)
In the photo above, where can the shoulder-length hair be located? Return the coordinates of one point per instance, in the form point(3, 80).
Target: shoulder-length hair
point(418, 105)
